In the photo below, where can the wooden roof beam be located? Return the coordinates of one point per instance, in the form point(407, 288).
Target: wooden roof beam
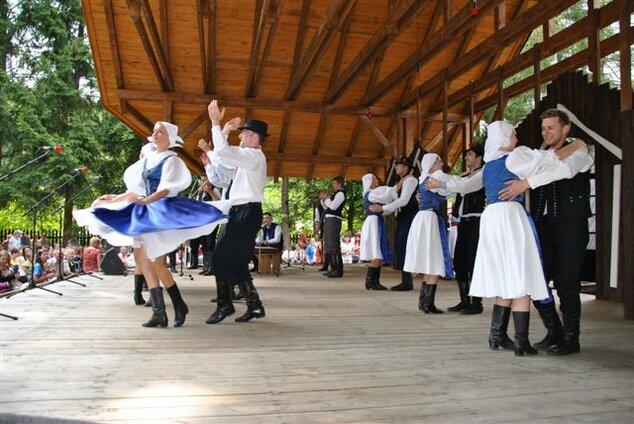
point(555, 43)
point(491, 46)
point(241, 102)
point(400, 17)
point(151, 41)
point(317, 144)
point(269, 14)
point(324, 159)
point(335, 17)
point(458, 25)
point(207, 43)
point(114, 46)
point(341, 48)
point(378, 134)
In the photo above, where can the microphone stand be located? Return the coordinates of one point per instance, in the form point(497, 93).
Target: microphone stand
point(34, 209)
point(61, 210)
point(19, 168)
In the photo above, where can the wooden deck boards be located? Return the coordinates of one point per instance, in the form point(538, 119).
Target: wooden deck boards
point(328, 351)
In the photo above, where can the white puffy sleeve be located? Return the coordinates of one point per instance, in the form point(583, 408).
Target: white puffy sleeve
point(579, 161)
point(382, 195)
point(525, 162)
point(464, 185)
point(175, 176)
point(442, 177)
point(132, 177)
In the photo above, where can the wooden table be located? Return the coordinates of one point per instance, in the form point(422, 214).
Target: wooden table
point(270, 259)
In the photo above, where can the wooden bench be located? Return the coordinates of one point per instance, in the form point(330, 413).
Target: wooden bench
point(270, 260)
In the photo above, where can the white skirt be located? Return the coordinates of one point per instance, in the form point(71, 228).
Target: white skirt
point(423, 254)
point(507, 263)
point(370, 239)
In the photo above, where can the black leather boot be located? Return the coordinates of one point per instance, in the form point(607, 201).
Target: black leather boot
point(324, 267)
point(422, 296)
point(148, 303)
point(464, 298)
point(224, 307)
point(180, 307)
point(475, 306)
point(570, 342)
point(139, 279)
point(406, 283)
point(330, 259)
point(159, 317)
point(237, 296)
point(337, 265)
point(255, 309)
point(498, 337)
point(372, 279)
point(430, 296)
point(550, 318)
point(522, 346)
point(210, 263)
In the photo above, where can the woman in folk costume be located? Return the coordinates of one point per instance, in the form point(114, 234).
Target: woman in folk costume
point(374, 247)
point(508, 265)
point(427, 249)
point(156, 222)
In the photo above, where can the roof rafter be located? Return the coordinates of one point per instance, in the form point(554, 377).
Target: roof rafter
point(400, 17)
point(458, 25)
point(207, 41)
point(268, 14)
point(336, 15)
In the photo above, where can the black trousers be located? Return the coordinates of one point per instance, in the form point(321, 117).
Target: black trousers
point(234, 247)
point(564, 248)
point(332, 235)
point(404, 222)
point(466, 248)
point(208, 242)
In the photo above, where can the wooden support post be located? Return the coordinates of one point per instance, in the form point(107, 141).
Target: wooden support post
point(537, 90)
point(445, 118)
point(626, 267)
point(286, 231)
point(625, 53)
point(471, 108)
point(594, 41)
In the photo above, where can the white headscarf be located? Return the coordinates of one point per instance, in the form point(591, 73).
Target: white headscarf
point(172, 132)
point(366, 182)
point(425, 165)
point(499, 135)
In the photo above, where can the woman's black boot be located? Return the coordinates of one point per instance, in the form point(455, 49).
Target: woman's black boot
point(180, 307)
point(522, 346)
point(498, 337)
point(139, 279)
point(159, 317)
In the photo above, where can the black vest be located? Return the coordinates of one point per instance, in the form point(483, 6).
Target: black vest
point(411, 208)
point(474, 202)
point(563, 200)
point(269, 234)
point(339, 210)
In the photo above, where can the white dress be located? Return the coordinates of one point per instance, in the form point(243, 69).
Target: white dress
point(370, 247)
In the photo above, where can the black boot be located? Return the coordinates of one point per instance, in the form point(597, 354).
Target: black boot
point(422, 296)
point(372, 279)
point(570, 342)
point(180, 307)
point(210, 263)
point(148, 304)
point(336, 264)
point(551, 321)
point(522, 346)
point(255, 309)
point(475, 306)
point(405, 284)
point(430, 297)
point(237, 296)
point(159, 317)
point(324, 267)
point(498, 338)
point(224, 307)
point(464, 298)
point(139, 279)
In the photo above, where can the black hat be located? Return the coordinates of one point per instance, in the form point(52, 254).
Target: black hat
point(403, 160)
point(256, 126)
point(478, 149)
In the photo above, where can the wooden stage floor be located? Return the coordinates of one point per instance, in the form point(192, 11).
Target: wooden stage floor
point(327, 352)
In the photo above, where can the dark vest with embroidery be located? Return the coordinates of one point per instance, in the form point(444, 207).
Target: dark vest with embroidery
point(411, 208)
point(339, 210)
point(474, 202)
point(269, 234)
point(562, 200)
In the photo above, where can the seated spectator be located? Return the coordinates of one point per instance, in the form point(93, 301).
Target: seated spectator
point(41, 272)
point(15, 241)
point(73, 242)
point(8, 273)
point(24, 260)
point(311, 252)
point(77, 259)
point(126, 259)
point(270, 236)
point(347, 249)
point(43, 241)
point(92, 256)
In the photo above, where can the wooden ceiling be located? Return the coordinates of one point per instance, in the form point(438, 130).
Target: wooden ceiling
point(343, 84)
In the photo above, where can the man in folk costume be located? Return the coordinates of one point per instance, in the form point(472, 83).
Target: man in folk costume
point(406, 207)
point(235, 246)
point(333, 208)
point(561, 210)
point(374, 247)
point(469, 204)
point(270, 236)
